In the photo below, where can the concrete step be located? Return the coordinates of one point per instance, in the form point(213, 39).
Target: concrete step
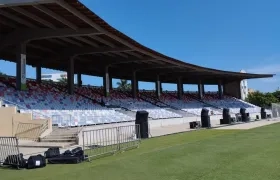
point(47, 144)
point(60, 137)
point(58, 140)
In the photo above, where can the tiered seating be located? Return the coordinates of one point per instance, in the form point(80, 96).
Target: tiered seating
point(138, 104)
point(44, 100)
point(233, 104)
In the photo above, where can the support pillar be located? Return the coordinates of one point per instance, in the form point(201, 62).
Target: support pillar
point(180, 88)
point(106, 83)
point(21, 67)
point(38, 73)
point(70, 75)
point(203, 89)
point(158, 87)
point(134, 85)
point(220, 90)
point(79, 80)
point(200, 87)
point(110, 82)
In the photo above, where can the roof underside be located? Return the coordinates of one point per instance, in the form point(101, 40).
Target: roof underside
point(56, 30)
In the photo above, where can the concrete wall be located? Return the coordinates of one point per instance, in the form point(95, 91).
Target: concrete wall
point(10, 120)
point(233, 89)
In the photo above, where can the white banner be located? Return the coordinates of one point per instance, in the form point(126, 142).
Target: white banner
point(23, 68)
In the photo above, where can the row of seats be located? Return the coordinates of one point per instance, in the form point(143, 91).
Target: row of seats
point(48, 99)
point(44, 100)
point(121, 99)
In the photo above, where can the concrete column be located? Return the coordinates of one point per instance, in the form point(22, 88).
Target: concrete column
point(38, 73)
point(200, 94)
point(203, 89)
point(134, 83)
point(137, 86)
point(220, 90)
point(106, 83)
point(180, 88)
point(79, 80)
point(21, 67)
point(70, 75)
point(110, 82)
point(158, 87)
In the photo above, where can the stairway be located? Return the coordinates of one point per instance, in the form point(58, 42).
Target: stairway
point(63, 135)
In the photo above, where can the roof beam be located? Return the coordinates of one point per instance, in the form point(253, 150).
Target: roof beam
point(87, 41)
point(26, 35)
point(10, 3)
point(158, 67)
point(135, 54)
point(131, 61)
point(7, 23)
point(41, 48)
point(99, 39)
point(72, 41)
point(94, 25)
point(56, 16)
point(120, 54)
point(70, 52)
point(17, 19)
point(34, 17)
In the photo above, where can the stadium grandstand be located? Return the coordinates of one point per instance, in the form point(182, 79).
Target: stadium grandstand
point(65, 35)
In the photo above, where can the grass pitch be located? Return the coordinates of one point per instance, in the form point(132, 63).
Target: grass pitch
point(200, 155)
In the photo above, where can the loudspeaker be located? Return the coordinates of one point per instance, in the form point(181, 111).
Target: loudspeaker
point(244, 115)
point(205, 118)
point(226, 116)
point(263, 113)
point(142, 121)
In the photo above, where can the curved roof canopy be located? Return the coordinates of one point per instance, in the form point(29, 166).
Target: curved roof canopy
point(57, 30)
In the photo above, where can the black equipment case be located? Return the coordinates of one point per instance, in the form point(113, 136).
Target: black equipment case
point(38, 161)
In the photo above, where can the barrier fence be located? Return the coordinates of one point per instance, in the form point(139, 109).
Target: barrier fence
point(100, 142)
point(9, 152)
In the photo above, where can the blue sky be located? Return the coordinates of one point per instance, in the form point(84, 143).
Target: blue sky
point(227, 35)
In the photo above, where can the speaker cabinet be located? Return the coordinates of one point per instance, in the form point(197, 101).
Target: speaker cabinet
point(263, 113)
point(244, 115)
point(226, 116)
point(142, 121)
point(205, 118)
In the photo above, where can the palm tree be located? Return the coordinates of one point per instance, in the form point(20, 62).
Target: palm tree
point(62, 80)
point(124, 85)
point(2, 74)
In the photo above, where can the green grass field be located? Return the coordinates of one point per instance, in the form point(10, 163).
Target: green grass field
point(201, 155)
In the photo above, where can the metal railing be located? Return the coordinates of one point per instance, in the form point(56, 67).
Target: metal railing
point(9, 152)
point(30, 131)
point(101, 142)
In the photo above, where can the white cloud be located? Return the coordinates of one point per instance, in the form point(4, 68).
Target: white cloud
point(270, 80)
point(265, 69)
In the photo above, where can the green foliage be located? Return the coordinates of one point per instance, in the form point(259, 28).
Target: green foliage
point(262, 99)
point(2, 74)
point(124, 85)
point(62, 80)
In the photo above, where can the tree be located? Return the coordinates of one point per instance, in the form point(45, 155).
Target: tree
point(124, 85)
point(262, 99)
point(2, 74)
point(62, 80)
